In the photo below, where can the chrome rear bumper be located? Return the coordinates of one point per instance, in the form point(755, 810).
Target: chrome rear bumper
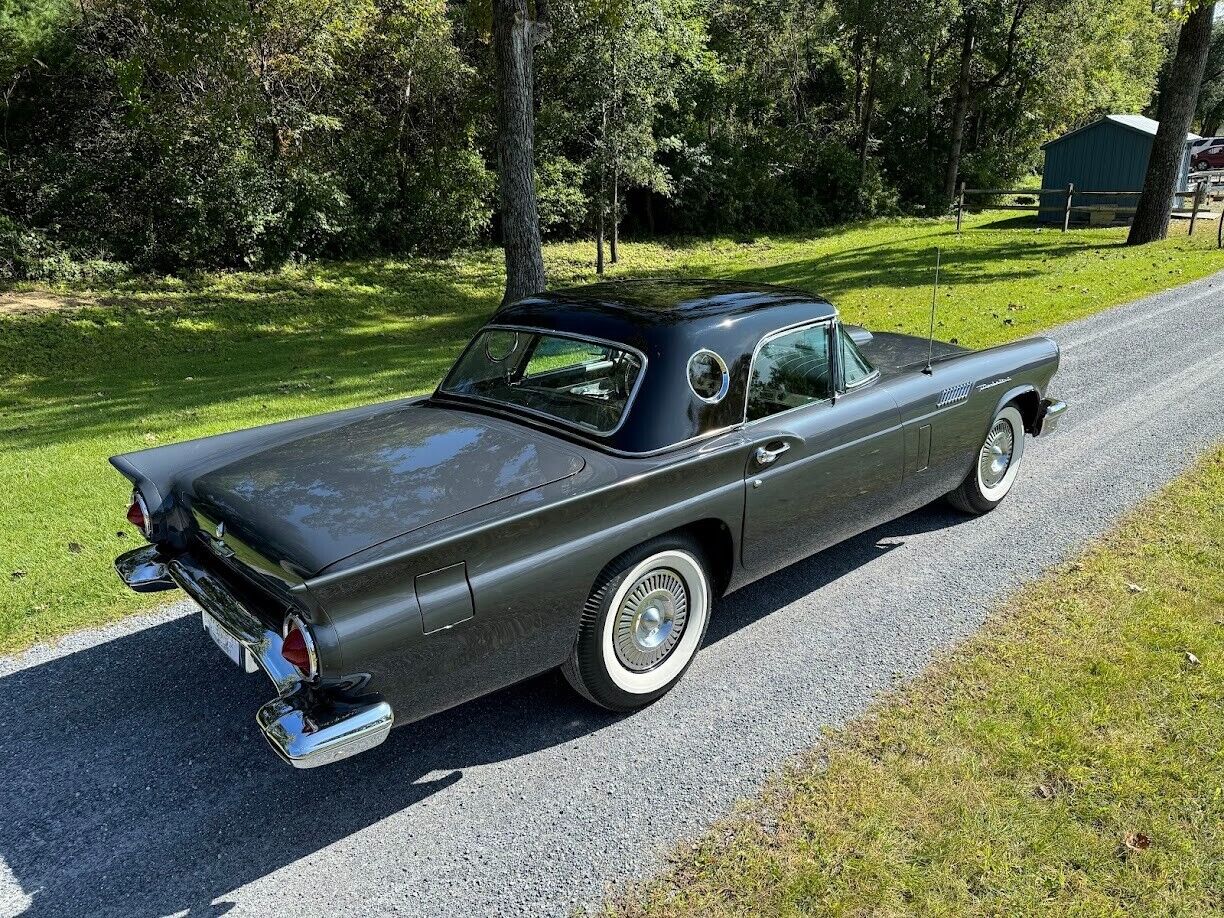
point(1050, 414)
point(305, 726)
point(307, 731)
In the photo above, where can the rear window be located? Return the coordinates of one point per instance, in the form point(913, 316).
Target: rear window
point(583, 383)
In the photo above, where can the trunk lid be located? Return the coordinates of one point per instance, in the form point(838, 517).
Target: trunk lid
point(313, 500)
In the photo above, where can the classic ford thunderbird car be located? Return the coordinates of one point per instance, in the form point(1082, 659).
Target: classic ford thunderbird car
point(597, 468)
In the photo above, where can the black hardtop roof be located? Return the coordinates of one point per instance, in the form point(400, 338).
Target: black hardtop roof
point(656, 302)
point(667, 321)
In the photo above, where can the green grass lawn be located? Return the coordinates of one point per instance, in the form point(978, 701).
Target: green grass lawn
point(1067, 761)
point(85, 373)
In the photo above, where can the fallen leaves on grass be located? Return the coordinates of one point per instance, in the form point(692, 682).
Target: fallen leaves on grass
point(1135, 842)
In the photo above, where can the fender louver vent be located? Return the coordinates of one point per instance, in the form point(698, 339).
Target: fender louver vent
point(955, 394)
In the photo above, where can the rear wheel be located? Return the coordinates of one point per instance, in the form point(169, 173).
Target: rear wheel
point(996, 467)
point(642, 625)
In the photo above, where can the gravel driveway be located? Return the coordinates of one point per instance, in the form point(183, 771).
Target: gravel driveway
point(133, 780)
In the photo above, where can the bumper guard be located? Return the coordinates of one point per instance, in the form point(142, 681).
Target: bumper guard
point(1052, 411)
point(305, 726)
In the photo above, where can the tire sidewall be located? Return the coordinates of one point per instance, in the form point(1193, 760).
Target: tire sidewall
point(606, 680)
point(989, 498)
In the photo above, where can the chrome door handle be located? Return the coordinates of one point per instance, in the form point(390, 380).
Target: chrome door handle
point(766, 456)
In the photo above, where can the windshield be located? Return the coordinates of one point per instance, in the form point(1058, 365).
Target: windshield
point(584, 383)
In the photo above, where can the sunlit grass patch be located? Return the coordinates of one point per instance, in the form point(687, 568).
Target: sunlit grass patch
point(86, 373)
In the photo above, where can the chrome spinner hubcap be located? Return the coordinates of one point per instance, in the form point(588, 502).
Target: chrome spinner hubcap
point(650, 620)
point(996, 455)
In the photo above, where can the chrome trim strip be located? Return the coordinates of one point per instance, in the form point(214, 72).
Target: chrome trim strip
point(147, 529)
point(870, 378)
point(515, 409)
point(586, 441)
point(726, 376)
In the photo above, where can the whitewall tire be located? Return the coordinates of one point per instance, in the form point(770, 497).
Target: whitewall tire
point(995, 466)
point(642, 625)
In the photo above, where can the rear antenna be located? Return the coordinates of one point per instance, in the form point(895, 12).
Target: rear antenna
point(934, 299)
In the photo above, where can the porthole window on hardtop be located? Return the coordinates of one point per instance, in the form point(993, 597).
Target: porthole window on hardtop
point(708, 376)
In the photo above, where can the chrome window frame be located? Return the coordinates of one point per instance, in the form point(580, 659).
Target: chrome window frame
point(842, 385)
point(508, 354)
point(827, 321)
point(512, 408)
point(726, 376)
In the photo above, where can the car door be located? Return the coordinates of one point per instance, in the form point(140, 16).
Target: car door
point(826, 448)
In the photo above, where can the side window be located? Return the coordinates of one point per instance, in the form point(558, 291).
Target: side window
point(855, 368)
point(789, 371)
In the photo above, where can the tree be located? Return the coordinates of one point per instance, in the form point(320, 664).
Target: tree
point(967, 92)
point(1211, 95)
point(1176, 113)
point(515, 37)
point(614, 69)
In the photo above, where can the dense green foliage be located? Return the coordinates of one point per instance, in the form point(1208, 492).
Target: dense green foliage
point(176, 133)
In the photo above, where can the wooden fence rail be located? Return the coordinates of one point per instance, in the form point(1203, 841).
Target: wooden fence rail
point(1068, 196)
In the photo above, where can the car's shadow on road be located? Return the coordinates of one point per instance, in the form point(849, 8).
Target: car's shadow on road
point(134, 780)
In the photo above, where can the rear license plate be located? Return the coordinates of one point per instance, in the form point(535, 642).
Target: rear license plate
point(226, 641)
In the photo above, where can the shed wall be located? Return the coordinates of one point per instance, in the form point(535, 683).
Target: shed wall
point(1102, 157)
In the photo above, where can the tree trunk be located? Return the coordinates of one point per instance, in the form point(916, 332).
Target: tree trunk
point(515, 36)
point(1212, 121)
point(928, 98)
point(858, 75)
point(1176, 112)
point(960, 107)
point(616, 127)
point(599, 230)
point(615, 213)
point(869, 106)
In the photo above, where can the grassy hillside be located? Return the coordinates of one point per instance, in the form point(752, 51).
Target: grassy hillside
point(86, 373)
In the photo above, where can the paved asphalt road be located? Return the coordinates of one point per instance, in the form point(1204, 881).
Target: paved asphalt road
point(133, 781)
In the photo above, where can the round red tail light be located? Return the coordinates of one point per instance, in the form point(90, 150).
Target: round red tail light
point(298, 648)
point(138, 513)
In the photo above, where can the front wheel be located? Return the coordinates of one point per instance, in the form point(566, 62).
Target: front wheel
point(642, 625)
point(998, 462)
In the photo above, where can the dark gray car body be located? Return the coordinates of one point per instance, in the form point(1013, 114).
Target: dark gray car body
point(441, 548)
